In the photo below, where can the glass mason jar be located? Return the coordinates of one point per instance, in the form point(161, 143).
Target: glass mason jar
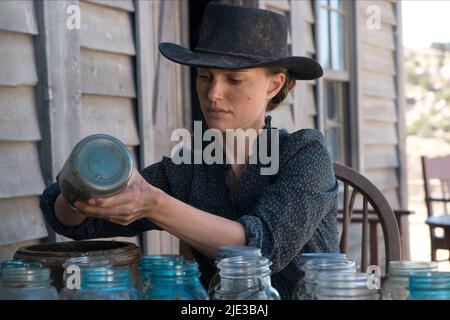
point(341, 286)
point(82, 262)
point(315, 267)
point(106, 283)
point(175, 281)
point(305, 257)
point(429, 286)
point(99, 166)
point(19, 264)
point(245, 278)
point(27, 283)
point(228, 252)
point(146, 266)
point(396, 286)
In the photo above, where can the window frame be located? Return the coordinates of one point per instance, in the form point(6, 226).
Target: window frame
point(350, 152)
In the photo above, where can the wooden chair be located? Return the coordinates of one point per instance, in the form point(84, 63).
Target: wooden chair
point(353, 184)
point(436, 168)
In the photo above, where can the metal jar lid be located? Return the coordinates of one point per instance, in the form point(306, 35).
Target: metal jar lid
point(99, 166)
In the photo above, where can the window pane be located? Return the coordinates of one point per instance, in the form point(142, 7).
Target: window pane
point(324, 39)
point(334, 143)
point(336, 4)
point(335, 103)
point(337, 41)
point(332, 101)
point(324, 2)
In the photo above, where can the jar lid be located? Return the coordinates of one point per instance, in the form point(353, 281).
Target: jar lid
point(402, 268)
point(103, 163)
point(234, 251)
point(305, 257)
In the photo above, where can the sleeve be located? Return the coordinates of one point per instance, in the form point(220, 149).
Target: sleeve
point(93, 228)
point(291, 209)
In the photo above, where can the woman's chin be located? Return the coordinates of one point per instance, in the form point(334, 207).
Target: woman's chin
point(222, 126)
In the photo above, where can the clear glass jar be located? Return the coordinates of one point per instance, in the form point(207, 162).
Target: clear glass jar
point(305, 257)
point(27, 283)
point(314, 268)
point(228, 252)
point(245, 278)
point(106, 283)
point(175, 281)
point(429, 286)
point(146, 265)
point(339, 286)
point(396, 286)
point(82, 262)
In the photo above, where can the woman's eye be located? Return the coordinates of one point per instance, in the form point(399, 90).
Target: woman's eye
point(235, 81)
point(204, 77)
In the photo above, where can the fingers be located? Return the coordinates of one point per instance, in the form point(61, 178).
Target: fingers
point(100, 212)
point(117, 200)
point(127, 195)
point(122, 215)
point(126, 220)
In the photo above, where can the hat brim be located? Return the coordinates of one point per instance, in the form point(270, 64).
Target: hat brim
point(301, 68)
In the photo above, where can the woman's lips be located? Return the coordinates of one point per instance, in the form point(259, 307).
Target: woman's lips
point(216, 113)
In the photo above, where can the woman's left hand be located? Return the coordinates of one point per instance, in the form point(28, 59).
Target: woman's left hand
point(135, 202)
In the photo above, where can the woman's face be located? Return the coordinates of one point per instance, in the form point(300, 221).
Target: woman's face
point(232, 99)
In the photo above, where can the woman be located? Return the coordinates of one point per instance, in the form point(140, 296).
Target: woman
point(243, 71)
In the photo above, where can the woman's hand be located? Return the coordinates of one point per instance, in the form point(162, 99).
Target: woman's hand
point(135, 202)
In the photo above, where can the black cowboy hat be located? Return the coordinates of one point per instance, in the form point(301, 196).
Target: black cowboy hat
point(233, 37)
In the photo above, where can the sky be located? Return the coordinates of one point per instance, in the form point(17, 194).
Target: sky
point(425, 22)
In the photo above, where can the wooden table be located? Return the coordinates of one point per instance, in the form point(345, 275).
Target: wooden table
point(441, 222)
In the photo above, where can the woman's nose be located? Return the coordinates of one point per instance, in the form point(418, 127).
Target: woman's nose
point(215, 91)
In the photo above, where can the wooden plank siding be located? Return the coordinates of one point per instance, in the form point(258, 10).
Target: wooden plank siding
point(21, 182)
point(165, 107)
point(107, 72)
point(381, 109)
point(107, 29)
point(17, 59)
point(17, 106)
point(18, 16)
point(379, 100)
point(125, 5)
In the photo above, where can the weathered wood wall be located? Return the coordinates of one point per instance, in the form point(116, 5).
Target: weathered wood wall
point(21, 179)
point(108, 80)
point(168, 106)
point(379, 100)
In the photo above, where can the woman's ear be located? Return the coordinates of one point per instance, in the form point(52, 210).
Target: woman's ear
point(276, 82)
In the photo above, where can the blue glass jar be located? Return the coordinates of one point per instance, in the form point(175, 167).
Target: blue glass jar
point(429, 286)
point(299, 290)
point(146, 266)
point(26, 283)
point(68, 292)
point(99, 166)
point(316, 267)
point(106, 283)
point(175, 281)
point(245, 278)
point(19, 264)
point(396, 286)
point(228, 252)
point(341, 286)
